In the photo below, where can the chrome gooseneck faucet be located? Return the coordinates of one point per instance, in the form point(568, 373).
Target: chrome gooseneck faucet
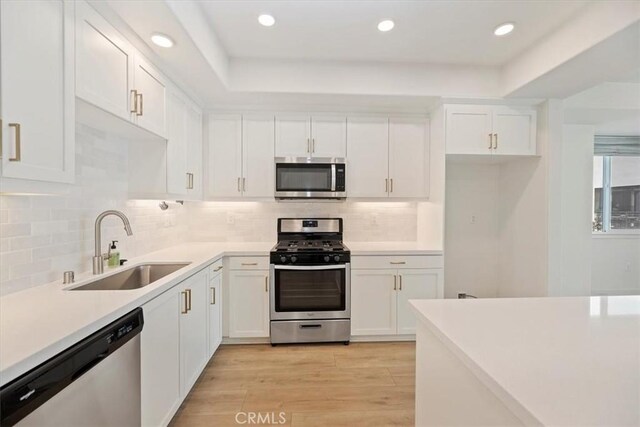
point(99, 257)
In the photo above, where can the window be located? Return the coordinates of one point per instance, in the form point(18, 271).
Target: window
point(616, 184)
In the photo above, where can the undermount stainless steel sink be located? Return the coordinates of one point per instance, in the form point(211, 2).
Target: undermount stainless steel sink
point(132, 278)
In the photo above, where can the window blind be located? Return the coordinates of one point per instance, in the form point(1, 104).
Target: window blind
point(607, 145)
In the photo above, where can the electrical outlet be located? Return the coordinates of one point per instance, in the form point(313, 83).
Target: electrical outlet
point(473, 219)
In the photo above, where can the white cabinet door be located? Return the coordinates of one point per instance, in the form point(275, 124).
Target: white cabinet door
point(160, 359)
point(415, 284)
point(408, 158)
point(249, 304)
point(215, 313)
point(104, 63)
point(177, 178)
point(194, 152)
point(373, 302)
point(151, 92)
point(329, 136)
point(225, 156)
point(258, 173)
point(194, 348)
point(293, 136)
point(37, 90)
point(368, 158)
point(468, 129)
point(515, 131)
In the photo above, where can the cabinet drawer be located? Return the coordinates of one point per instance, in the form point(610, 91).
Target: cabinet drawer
point(249, 263)
point(215, 268)
point(399, 261)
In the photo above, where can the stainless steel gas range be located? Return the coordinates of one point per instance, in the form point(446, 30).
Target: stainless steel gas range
point(310, 293)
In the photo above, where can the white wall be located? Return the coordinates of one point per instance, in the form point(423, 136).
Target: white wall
point(615, 267)
point(42, 236)
point(471, 231)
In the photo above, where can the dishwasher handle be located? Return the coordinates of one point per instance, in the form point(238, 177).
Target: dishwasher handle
point(28, 392)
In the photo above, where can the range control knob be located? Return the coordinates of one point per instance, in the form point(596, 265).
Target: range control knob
point(327, 258)
point(283, 259)
point(336, 258)
point(294, 258)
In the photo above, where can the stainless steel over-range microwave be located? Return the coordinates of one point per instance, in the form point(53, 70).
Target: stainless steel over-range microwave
point(310, 178)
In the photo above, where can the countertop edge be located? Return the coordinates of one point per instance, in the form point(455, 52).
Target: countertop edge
point(515, 406)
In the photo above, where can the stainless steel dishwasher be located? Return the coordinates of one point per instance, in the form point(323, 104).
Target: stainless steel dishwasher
point(95, 382)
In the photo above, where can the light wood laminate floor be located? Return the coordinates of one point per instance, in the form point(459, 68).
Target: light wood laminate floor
point(363, 384)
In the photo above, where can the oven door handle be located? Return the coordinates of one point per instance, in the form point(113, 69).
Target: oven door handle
point(311, 267)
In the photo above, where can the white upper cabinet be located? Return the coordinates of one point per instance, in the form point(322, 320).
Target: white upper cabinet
point(149, 97)
point(305, 136)
point(105, 63)
point(293, 136)
point(225, 156)
point(408, 158)
point(514, 131)
point(193, 130)
point(37, 90)
point(490, 130)
point(241, 153)
point(329, 136)
point(258, 173)
point(368, 158)
point(184, 148)
point(114, 77)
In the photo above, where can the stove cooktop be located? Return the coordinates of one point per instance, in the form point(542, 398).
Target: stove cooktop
point(309, 246)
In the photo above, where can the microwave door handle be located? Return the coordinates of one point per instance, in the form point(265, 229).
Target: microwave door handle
point(333, 177)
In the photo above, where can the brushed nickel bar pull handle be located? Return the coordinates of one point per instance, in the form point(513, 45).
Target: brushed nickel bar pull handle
point(395, 282)
point(249, 263)
point(134, 101)
point(244, 184)
point(496, 141)
point(397, 262)
point(213, 296)
point(400, 275)
point(313, 145)
point(188, 181)
point(17, 157)
point(391, 181)
point(239, 189)
point(386, 185)
point(266, 283)
point(490, 141)
point(186, 304)
point(140, 112)
point(218, 269)
point(308, 145)
point(189, 293)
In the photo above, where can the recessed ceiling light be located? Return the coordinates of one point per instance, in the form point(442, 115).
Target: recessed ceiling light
point(386, 25)
point(504, 29)
point(266, 20)
point(161, 40)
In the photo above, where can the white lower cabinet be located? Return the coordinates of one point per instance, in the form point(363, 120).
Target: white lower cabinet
point(174, 348)
point(248, 303)
point(215, 309)
point(380, 299)
point(160, 359)
point(194, 349)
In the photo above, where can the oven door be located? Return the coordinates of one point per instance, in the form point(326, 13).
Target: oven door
point(310, 292)
point(307, 178)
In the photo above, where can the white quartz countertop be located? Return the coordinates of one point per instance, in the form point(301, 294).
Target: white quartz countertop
point(555, 361)
point(40, 322)
point(392, 248)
